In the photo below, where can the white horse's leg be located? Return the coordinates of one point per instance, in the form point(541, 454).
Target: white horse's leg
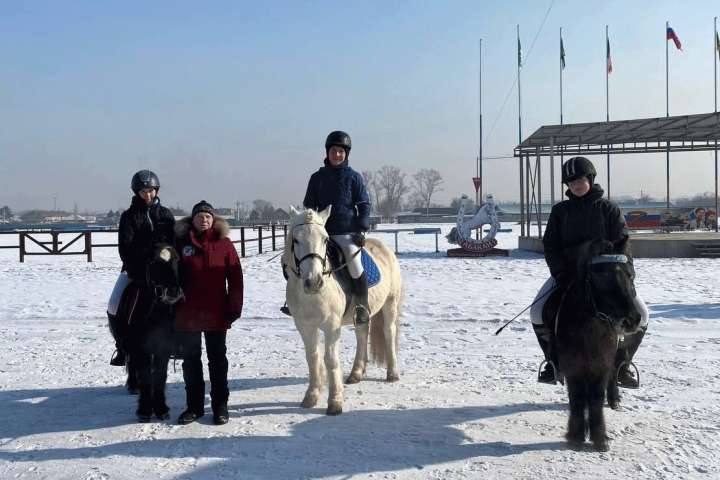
point(309, 334)
point(391, 314)
point(332, 363)
point(361, 354)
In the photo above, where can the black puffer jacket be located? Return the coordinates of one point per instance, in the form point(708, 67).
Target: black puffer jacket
point(141, 226)
point(344, 189)
point(578, 220)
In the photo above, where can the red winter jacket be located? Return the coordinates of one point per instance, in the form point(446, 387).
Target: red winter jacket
point(206, 263)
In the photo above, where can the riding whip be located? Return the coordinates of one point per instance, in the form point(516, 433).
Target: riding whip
point(523, 310)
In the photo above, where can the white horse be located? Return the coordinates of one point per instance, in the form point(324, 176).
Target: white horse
point(317, 302)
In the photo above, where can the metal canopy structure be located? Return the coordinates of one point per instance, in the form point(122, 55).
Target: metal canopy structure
point(686, 133)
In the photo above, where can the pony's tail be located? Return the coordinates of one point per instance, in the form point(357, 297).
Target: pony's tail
point(377, 339)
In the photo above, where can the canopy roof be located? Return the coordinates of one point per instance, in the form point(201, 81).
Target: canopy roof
point(681, 133)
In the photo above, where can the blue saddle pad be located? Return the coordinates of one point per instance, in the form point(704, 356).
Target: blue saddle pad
point(371, 269)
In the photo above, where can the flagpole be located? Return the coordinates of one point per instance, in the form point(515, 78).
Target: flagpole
point(552, 157)
point(607, 109)
point(478, 194)
point(716, 53)
point(561, 109)
point(667, 114)
point(520, 160)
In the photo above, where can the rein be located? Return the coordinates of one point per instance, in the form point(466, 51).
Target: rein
point(597, 260)
point(323, 260)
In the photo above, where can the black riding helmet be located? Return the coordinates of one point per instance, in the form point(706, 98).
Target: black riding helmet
point(144, 179)
point(578, 167)
point(341, 139)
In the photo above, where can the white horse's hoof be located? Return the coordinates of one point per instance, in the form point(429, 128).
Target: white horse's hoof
point(309, 401)
point(393, 377)
point(334, 408)
point(353, 378)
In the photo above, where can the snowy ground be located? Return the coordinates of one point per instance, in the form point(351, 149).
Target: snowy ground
point(467, 405)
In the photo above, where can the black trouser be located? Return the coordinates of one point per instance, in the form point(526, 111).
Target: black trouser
point(191, 344)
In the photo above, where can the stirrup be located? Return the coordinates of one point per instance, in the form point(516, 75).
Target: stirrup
point(629, 364)
point(286, 310)
point(118, 358)
point(557, 376)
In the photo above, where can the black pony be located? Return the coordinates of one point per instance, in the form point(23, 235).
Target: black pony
point(596, 311)
point(150, 338)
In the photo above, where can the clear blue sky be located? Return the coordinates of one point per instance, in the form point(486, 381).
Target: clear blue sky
point(232, 100)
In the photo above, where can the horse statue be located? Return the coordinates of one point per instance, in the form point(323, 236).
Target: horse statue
point(461, 234)
point(319, 302)
point(595, 313)
point(150, 333)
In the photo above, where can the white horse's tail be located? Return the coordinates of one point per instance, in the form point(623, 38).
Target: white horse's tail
point(377, 339)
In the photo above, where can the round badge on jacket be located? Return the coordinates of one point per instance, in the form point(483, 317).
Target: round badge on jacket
point(188, 251)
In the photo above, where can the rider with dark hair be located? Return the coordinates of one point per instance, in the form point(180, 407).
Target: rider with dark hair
point(336, 184)
point(585, 216)
point(142, 225)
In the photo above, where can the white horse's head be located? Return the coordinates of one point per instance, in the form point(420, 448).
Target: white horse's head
point(309, 247)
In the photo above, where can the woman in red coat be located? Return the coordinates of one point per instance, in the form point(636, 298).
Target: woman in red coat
point(213, 284)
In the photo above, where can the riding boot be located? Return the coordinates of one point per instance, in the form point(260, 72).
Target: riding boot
point(145, 407)
point(215, 343)
point(119, 357)
point(362, 308)
point(545, 337)
point(286, 310)
point(623, 359)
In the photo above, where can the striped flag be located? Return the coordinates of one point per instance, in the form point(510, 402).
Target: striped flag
point(717, 44)
point(609, 60)
point(562, 54)
point(671, 35)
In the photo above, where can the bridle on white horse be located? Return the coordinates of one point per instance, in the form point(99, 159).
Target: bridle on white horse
point(323, 258)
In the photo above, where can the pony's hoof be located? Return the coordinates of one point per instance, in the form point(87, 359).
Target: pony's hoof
point(393, 377)
point(602, 445)
point(308, 402)
point(614, 404)
point(576, 445)
point(353, 379)
point(334, 409)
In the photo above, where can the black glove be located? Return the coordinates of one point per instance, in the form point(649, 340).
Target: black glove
point(358, 239)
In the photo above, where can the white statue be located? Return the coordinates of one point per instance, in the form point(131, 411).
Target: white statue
point(486, 215)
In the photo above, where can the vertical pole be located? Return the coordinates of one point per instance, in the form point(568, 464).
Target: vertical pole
point(242, 242)
point(552, 171)
point(522, 188)
point(523, 213)
point(22, 247)
point(527, 192)
point(479, 195)
point(539, 191)
point(88, 245)
point(607, 110)
point(667, 114)
point(519, 89)
point(716, 52)
point(561, 77)
point(260, 234)
point(273, 236)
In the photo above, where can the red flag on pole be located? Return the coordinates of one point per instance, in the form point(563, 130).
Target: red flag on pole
point(609, 60)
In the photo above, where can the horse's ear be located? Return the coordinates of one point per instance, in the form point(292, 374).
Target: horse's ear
point(325, 214)
point(293, 210)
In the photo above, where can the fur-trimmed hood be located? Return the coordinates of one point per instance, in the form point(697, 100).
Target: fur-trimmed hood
point(183, 227)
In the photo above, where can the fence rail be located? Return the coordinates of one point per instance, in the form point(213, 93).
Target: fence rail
point(56, 245)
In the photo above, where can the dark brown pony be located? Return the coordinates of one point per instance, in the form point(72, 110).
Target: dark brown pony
point(596, 311)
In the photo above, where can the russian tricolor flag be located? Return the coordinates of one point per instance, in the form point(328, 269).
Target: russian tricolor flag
point(671, 35)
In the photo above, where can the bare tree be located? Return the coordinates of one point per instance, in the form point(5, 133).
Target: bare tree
point(426, 183)
point(391, 185)
point(370, 179)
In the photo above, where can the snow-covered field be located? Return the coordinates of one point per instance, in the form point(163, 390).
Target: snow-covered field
point(467, 404)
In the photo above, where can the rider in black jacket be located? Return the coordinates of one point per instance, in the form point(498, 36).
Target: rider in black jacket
point(585, 216)
point(142, 225)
